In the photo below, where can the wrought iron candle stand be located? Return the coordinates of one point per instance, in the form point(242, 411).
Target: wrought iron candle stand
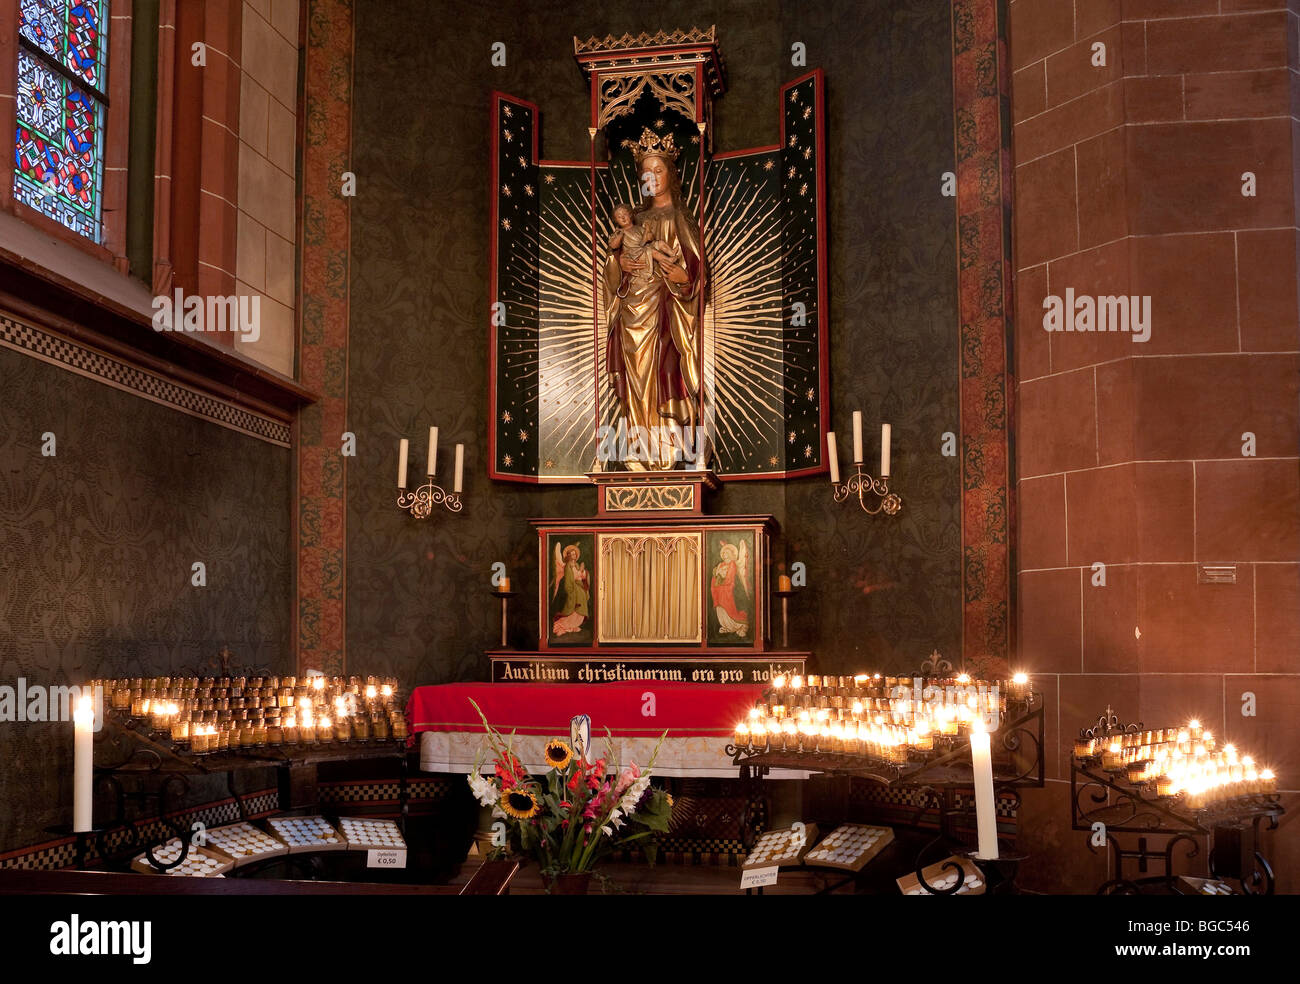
point(785, 597)
point(1100, 796)
point(862, 484)
point(420, 502)
point(157, 769)
point(934, 777)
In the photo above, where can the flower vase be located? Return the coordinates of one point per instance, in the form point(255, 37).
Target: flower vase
point(569, 883)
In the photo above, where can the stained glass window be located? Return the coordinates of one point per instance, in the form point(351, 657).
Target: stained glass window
point(59, 136)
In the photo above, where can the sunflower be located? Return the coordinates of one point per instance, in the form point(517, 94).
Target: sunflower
point(558, 754)
point(520, 803)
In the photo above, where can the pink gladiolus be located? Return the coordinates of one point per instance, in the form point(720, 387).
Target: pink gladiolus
point(630, 775)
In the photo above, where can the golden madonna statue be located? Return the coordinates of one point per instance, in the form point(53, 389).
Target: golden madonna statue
point(652, 281)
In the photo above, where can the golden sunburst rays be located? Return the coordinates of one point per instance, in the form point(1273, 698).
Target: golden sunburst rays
point(743, 335)
point(566, 348)
point(572, 389)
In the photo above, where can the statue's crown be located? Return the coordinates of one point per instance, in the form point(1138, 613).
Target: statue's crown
point(652, 144)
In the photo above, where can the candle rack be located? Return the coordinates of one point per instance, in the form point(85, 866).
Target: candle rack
point(421, 502)
point(948, 765)
point(1232, 827)
point(150, 777)
point(146, 773)
point(864, 486)
point(934, 778)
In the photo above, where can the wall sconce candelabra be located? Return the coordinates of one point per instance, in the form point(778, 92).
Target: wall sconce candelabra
point(421, 502)
point(862, 484)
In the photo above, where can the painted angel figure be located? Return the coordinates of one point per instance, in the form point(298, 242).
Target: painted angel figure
point(732, 568)
point(572, 574)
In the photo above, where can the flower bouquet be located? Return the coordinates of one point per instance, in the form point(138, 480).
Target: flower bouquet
point(579, 812)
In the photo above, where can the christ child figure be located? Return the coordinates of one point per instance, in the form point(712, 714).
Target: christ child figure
point(629, 240)
point(626, 240)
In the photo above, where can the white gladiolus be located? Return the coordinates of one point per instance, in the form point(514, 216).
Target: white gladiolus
point(628, 803)
point(485, 791)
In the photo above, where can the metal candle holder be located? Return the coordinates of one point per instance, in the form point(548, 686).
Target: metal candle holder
point(420, 502)
point(862, 484)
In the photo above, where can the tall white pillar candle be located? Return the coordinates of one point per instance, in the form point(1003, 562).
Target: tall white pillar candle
point(832, 456)
point(460, 467)
point(433, 451)
point(403, 449)
point(884, 450)
point(83, 759)
point(986, 817)
point(857, 437)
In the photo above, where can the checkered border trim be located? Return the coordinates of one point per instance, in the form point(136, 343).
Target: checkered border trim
point(909, 797)
point(417, 791)
point(75, 357)
point(63, 853)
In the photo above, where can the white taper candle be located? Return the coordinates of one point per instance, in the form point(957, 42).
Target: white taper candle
point(986, 817)
point(832, 457)
point(884, 450)
point(403, 449)
point(460, 467)
point(83, 759)
point(433, 451)
point(857, 437)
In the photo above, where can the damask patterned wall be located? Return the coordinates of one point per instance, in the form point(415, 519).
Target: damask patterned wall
point(880, 591)
point(96, 547)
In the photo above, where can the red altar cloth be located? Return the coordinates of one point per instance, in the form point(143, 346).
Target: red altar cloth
point(684, 709)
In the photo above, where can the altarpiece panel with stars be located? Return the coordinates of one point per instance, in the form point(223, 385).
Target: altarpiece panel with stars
point(763, 340)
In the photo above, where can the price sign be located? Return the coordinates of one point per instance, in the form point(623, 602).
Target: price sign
point(759, 877)
point(386, 858)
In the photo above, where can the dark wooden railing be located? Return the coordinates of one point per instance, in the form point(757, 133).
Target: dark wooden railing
point(491, 878)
